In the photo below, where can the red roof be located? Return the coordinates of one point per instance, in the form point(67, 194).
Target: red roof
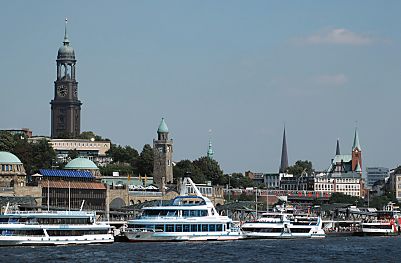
point(74, 185)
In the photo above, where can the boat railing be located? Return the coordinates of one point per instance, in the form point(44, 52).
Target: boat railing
point(82, 213)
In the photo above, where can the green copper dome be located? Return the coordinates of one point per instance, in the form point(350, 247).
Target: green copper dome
point(81, 164)
point(163, 127)
point(9, 158)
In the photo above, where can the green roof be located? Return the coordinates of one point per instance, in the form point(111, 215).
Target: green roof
point(81, 163)
point(356, 141)
point(162, 127)
point(9, 158)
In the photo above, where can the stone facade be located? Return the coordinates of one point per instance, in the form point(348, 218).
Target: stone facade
point(163, 155)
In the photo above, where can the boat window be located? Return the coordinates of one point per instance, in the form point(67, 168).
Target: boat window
point(159, 227)
point(185, 213)
point(219, 227)
point(171, 213)
point(205, 228)
point(212, 228)
point(203, 212)
point(193, 213)
point(194, 228)
point(186, 228)
point(178, 228)
point(169, 228)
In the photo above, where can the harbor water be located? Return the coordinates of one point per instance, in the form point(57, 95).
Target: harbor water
point(330, 249)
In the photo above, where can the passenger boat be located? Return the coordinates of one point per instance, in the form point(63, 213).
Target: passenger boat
point(387, 223)
point(283, 226)
point(186, 218)
point(52, 228)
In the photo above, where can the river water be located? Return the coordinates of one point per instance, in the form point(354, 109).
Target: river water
point(329, 249)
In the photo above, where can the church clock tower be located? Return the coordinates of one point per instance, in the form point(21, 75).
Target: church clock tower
point(65, 107)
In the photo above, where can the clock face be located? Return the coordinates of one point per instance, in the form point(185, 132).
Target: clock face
point(62, 91)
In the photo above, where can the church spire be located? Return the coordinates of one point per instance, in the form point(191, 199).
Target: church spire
point(210, 151)
point(66, 41)
point(338, 147)
point(356, 141)
point(284, 156)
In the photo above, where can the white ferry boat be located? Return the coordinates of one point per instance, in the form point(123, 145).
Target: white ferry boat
point(283, 225)
point(187, 218)
point(387, 223)
point(52, 228)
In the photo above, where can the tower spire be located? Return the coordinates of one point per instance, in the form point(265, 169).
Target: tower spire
point(338, 147)
point(210, 151)
point(66, 41)
point(284, 156)
point(356, 141)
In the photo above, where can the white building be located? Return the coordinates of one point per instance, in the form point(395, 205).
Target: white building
point(346, 183)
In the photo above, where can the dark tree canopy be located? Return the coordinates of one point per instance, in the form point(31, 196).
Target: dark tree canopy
point(145, 161)
point(34, 156)
point(301, 166)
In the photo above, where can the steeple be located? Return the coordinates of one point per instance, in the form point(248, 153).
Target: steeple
point(65, 107)
point(66, 41)
point(284, 156)
point(210, 151)
point(162, 131)
point(356, 141)
point(338, 147)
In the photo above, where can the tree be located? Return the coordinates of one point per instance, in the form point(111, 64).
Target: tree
point(185, 167)
point(123, 169)
point(211, 170)
point(299, 167)
point(72, 154)
point(145, 161)
point(88, 135)
point(7, 141)
point(43, 156)
point(345, 199)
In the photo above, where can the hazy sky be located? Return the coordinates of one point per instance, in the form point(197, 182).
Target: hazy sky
point(242, 69)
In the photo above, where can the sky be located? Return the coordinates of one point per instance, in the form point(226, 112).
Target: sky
point(233, 71)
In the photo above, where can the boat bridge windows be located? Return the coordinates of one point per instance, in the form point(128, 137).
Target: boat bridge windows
point(174, 213)
point(180, 227)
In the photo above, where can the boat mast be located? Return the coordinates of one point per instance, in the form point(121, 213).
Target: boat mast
point(256, 204)
point(48, 195)
point(69, 196)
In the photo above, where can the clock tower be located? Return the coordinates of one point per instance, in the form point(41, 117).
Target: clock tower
point(163, 157)
point(65, 107)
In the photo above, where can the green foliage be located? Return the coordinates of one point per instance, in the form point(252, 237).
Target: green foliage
point(34, 156)
point(88, 135)
point(72, 154)
point(346, 199)
point(123, 169)
point(145, 161)
point(7, 141)
point(238, 180)
point(43, 156)
point(184, 167)
point(379, 202)
point(210, 169)
point(299, 167)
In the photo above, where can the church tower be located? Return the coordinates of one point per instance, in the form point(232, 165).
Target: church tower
point(163, 155)
point(65, 107)
point(284, 155)
point(356, 154)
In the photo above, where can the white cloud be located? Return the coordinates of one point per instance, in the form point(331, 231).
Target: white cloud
point(340, 36)
point(335, 80)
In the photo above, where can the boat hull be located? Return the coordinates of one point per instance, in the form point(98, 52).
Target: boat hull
point(55, 241)
point(139, 236)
